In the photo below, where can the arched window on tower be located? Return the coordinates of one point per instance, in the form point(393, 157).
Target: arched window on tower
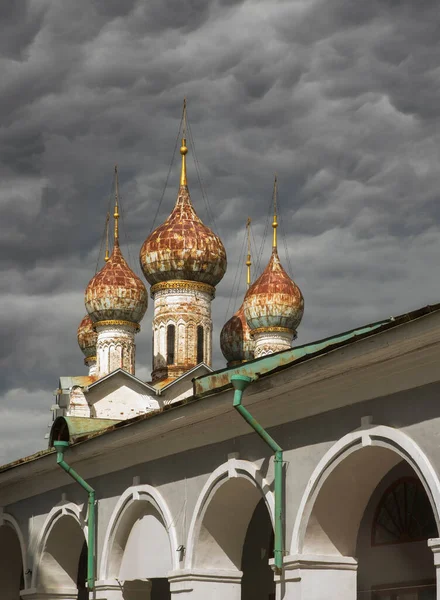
point(404, 514)
point(171, 339)
point(200, 343)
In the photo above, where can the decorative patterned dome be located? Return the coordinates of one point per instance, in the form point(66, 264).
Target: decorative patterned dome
point(236, 342)
point(87, 337)
point(183, 247)
point(274, 300)
point(116, 293)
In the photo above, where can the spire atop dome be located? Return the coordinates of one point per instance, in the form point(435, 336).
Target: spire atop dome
point(248, 258)
point(107, 255)
point(183, 148)
point(116, 212)
point(275, 216)
point(183, 248)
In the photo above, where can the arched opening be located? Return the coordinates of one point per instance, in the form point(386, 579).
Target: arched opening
point(236, 534)
point(140, 552)
point(171, 340)
point(63, 564)
point(343, 522)
point(200, 343)
point(258, 581)
point(11, 565)
point(394, 530)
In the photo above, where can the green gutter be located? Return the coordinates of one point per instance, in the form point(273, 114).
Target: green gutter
point(240, 383)
point(60, 447)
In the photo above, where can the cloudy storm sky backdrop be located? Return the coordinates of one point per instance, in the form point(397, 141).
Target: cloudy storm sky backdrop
point(340, 98)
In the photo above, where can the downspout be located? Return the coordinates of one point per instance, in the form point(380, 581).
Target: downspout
point(60, 447)
point(240, 383)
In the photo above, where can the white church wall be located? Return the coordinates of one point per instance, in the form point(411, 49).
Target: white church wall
point(119, 399)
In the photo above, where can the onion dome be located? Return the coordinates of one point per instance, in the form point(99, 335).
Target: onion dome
point(183, 248)
point(115, 292)
point(274, 301)
point(87, 337)
point(236, 342)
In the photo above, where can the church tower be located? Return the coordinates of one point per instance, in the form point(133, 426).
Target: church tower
point(183, 260)
point(274, 305)
point(116, 300)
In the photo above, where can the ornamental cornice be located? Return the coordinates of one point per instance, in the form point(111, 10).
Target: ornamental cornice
point(272, 330)
point(117, 323)
point(182, 286)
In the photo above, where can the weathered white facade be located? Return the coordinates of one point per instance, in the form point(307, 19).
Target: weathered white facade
point(185, 496)
point(270, 341)
point(115, 347)
point(182, 327)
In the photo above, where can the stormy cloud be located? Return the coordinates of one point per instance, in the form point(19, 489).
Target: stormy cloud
point(340, 99)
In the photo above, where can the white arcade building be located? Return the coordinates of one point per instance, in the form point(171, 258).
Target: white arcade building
point(298, 473)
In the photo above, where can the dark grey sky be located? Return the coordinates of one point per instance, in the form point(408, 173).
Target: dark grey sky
point(340, 98)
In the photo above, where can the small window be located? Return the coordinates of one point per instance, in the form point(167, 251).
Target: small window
point(171, 338)
point(404, 514)
point(200, 342)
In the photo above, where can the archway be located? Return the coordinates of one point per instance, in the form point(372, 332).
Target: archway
point(230, 541)
point(338, 505)
point(62, 555)
point(11, 561)
point(140, 544)
point(394, 530)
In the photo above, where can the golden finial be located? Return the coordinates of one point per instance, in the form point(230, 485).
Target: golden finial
point(116, 213)
point(248, 258)
point(107, 255)
point(184, 149)
point(275, 220)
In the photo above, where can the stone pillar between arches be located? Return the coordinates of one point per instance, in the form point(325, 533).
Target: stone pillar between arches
point(113, 589)
point(434, 544)
point(317, 577)
point(201, 584)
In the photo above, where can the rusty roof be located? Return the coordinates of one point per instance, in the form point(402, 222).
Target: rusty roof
point(235, 339)
point(274, 300)
point(183, 248)
point(70, 429)
point(87, 337)
point(115, 292)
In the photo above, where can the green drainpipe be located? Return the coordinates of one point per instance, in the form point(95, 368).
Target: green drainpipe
point(60, 447)
point(240, 383)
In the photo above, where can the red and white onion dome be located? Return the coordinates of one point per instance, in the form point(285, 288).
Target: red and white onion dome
point(87, 337)
point(274, 300)
point(116, 293)
point(236, 342)
point(183, 248)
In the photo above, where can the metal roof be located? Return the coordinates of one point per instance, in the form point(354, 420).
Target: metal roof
point(221, 380)
point(69, 429)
